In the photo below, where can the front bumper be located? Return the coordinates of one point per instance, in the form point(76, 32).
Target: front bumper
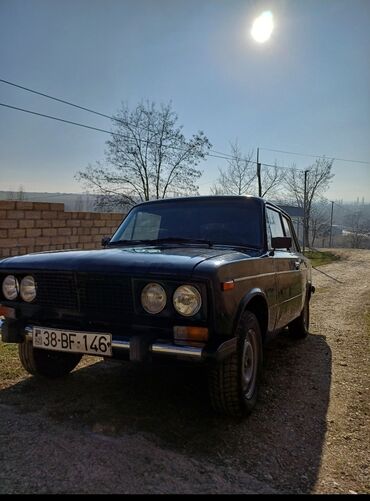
point(130, 346)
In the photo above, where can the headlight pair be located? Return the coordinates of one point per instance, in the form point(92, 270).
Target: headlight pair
point(186, 299)
point(27, 288)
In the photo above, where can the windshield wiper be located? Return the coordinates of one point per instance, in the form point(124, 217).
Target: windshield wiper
point(169, 240)
point(239, 246)
point(129, 242)
point(181, 240)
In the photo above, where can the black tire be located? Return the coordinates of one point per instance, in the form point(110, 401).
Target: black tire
point(233, 383)
point(47, 363)
point(298, 329)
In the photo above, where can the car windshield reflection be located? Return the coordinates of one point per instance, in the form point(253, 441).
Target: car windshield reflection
point(205, 222)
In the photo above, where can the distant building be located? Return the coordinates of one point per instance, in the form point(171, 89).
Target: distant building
point(292, 210)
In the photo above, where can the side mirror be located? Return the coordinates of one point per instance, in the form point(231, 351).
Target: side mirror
point(105, 241)
point(281, 242)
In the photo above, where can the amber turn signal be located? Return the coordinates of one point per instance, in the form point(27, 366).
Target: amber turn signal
point(226, 286)
point(7, 312)
point(186, 333)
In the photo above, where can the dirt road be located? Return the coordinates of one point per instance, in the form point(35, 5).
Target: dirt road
point(113, 428)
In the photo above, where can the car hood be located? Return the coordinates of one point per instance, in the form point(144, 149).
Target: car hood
point(132, 260)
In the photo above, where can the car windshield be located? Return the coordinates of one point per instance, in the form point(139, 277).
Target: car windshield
point(235, 222)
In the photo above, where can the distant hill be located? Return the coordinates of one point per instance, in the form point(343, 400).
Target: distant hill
point(72, 201)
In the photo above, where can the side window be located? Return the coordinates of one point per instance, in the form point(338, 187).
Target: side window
point(288, 232)
point(274, 227)
point(286, 227)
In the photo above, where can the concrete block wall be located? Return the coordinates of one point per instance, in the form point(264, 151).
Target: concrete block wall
point(40, 226)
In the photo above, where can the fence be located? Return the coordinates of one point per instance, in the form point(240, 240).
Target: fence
point(39, 226)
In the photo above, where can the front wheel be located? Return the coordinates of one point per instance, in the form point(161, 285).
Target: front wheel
point(47, 363)
point(298, 329)
point(233, 383)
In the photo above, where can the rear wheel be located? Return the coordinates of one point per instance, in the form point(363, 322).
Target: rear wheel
point(298, 329)
point(233, 384)
point(47, 363)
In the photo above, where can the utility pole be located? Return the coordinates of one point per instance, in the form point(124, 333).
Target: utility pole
point(305, 211)
point(331, 223)
point(259, 174)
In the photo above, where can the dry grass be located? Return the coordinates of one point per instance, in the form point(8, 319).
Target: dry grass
point(319, 258)
point(10, 366)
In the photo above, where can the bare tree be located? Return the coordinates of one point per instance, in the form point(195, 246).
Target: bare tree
point(319, 220)
point(318, 179)
point(271, 179)
point(147, 157)
point(238, 177)
point(359, 229)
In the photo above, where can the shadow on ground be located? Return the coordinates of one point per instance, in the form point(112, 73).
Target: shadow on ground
point(280, 443)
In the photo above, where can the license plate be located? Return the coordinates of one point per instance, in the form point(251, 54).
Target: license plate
point(93, 343)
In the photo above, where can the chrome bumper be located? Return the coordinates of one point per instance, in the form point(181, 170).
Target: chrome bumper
point(188, 352)
point(192, 353)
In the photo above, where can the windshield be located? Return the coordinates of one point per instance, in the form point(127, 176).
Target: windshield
point(230, 222)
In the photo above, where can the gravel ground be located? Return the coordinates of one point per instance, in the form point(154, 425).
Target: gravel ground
point(119, 428)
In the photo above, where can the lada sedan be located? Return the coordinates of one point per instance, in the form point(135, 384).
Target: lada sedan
point(203, 279)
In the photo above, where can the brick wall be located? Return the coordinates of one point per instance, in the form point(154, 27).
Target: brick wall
point(39, 226)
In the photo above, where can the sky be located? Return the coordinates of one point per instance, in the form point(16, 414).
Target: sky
point(306, 90)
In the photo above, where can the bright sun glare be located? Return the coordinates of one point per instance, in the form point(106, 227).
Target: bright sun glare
point(262, 27)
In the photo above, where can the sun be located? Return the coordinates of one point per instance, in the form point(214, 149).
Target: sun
point(262, 27)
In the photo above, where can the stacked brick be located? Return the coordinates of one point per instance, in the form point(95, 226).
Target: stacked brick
point(39, 226)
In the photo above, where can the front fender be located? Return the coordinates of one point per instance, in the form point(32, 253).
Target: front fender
point(256, 292)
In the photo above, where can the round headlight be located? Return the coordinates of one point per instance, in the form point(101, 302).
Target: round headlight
point(187, 300)
point(10, 287)
point(28, 288)
point(153, 298)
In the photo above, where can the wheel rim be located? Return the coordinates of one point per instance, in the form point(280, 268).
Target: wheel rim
point(249, 364)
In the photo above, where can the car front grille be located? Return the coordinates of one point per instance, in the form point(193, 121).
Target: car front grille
point(57, 290)
point(94, 294)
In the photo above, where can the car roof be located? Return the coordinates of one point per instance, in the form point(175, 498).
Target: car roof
point(201, 197)
point(259, 200)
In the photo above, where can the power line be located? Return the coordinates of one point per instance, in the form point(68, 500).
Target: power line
point(70, 122)
point(69, 103)
point(128, 138)
point(125, 122)
point(316, 156)
point(97, 129)
point(89, 110)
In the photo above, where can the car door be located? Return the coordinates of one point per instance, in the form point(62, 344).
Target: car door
point(300, 264)
point(287, 266)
